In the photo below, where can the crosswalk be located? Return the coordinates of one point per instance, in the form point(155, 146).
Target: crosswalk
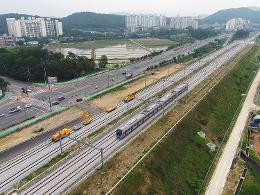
point(36, 92)
point(36, 102)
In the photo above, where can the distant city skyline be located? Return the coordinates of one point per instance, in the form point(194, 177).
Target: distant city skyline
point(61, 8)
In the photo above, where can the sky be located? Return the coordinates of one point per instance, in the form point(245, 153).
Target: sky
point(61, 8)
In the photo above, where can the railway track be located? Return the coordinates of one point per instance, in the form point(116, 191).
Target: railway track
point(98, 123)
point(61, 180)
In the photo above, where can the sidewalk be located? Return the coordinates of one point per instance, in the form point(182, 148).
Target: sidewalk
point(220, 174)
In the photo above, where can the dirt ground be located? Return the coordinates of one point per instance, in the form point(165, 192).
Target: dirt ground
point(256, 143)
point(99, 183)
point(34, 130)
point(112, 99)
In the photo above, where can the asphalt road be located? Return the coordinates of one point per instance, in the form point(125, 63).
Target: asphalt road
point(220, 174)
point(71, 171)
point(39, 98)
point(22, 165)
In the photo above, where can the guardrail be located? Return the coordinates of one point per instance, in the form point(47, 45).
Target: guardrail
point(27, 123)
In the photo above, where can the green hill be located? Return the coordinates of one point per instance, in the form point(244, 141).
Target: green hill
point(85, 21)
point(224, 15)
point(92, 21)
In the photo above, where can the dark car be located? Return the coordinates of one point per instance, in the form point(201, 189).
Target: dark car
point(79, 100)
point(61, 98)
point(55, 103)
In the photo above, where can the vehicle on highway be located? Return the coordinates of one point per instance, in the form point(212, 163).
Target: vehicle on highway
point(26, 90)
point(140, 118)
point(79, 100)
point(28, 105)
point(61, 98)
point(2, 115)
point(129, 97)
point(13, 110)
point(96, 87)
point(61, 134)
point(129, 76)
point(55, 103)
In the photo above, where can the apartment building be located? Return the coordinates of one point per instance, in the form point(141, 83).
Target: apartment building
point(34, 27)
point(144, 22)
point(184, 22)
point(237, 24)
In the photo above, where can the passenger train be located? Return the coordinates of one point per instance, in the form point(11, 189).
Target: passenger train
point(140, 118)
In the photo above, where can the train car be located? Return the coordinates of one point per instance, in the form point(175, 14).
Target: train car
point(149, 112)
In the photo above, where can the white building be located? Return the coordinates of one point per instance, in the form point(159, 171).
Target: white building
point(184, 22)
point(14, 27)
point(143, 22)
point(33, 27)
point(237, 24)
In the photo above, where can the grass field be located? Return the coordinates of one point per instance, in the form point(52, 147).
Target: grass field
point(179, 164)
point(153, 42)
point(90, 44)
point(251, 183)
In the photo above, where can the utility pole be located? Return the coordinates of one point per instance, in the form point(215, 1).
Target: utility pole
point(145, 79)
point(25, 114)
point(108, 80)
point(61, 150)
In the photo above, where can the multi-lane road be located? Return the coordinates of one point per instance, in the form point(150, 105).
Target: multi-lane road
point(39, 98)
point(22, 165)
point(66, 175)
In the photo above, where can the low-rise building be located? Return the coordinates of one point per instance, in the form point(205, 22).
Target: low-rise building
point(7, 41)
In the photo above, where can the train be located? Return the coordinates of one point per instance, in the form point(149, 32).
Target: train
point(140, 118)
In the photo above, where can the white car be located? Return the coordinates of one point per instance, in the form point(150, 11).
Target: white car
point(28, 105)
point(2, 115)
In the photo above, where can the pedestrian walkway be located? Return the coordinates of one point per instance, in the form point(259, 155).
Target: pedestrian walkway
point(220, 174)
point(36, 102)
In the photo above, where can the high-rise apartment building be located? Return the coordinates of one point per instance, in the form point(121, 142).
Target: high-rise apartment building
point(34, 27)
point(184, 22)
point(143, 22)
point(237, 24)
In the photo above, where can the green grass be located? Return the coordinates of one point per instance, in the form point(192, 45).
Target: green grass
point(152, 42)
point(251, 183)
point(179, 164)
point(90, 44)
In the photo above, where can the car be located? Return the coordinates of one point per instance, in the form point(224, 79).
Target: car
point(13, 110)
point(61, 98)
point(28, 105)
point(2, 115)
point(96, 87)
point(79, 100)
point(55, 103)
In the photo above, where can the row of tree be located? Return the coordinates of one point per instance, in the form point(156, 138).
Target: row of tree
point(33, 64)
point(3, 84)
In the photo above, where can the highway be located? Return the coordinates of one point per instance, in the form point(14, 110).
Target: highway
point(32, 159)
point(66, 175)
point(39, 98)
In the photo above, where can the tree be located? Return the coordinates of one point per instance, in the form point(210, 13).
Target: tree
point(3, 84)
point(103, 61)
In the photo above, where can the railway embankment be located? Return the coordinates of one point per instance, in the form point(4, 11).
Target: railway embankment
point(179, 163)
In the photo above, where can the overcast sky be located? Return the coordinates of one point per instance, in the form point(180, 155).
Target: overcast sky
point(60, 8)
